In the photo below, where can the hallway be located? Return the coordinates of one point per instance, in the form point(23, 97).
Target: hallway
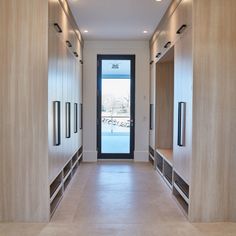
point(118, 198)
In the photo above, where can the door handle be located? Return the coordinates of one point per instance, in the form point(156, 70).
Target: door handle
point(57, 123)
point(150, 117)
point(68, 134)
point(131, 123)
point(76, 54)
point(58, 28)
point(75, 118)
point(158, 55)
point(181, 123)
point(181, 29)
point(68, 43)
point(167, 44)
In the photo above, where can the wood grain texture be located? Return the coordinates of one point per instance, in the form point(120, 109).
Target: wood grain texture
point(24, 194)
point(213, 190)
point(152, 92)
point(167, 154)
point(164, 104)
point(183, 92)
point(64, 78)
point(65, 5)
point(179, 14)
point(165, 18)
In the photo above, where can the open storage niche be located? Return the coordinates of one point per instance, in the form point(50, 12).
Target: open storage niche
point(55, 185)
point(164, 115)
point(80, 154)
point(56, 200)
point(67, 169)
point(181, 192)
point(74, 158)
point(61, 182)
point(151, 155)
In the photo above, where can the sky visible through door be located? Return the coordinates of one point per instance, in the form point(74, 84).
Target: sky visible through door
point(115, 108)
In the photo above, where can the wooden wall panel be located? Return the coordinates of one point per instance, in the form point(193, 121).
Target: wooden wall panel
point(214, 110)
point(164, 104)
point(24, 194)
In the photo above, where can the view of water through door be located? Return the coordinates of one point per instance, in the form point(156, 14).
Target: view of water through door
point(115, 109)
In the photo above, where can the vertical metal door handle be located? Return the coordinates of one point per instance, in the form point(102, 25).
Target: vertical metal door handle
point(150, 120)
point(81, 116)
point(75, 118)
point(181, 123)
point(67, 119)
point(56, 123)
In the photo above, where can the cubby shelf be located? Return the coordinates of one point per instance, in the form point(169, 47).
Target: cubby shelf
point(59, 185)
point(164, 160)
point(166, 154)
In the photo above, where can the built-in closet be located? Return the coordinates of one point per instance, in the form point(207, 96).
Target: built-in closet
point(192, 113)
point(41, 107)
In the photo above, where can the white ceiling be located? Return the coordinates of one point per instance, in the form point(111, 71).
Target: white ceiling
point(118, 19)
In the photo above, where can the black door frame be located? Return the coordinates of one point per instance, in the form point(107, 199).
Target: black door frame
point(99, 101)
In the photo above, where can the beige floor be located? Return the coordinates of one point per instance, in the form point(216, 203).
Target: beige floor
point(123, 199)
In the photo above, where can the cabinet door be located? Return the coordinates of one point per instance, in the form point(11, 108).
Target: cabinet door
point(183, 75)
point(181, 20)
point(54, 94)
point(152, 105)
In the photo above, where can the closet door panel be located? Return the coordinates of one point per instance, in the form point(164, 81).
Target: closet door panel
point(183, 90)
point(181, 20)
point(152, 105)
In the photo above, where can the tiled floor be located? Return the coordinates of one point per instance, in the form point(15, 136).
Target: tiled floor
point(125, 199)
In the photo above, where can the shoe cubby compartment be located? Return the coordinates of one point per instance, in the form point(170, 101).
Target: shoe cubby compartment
point(67, 169)
point(159, 163)
point(56, 200)
point(61, 182)
point(55, 185)
point(181, 192)
point(151, 155)
point(67, 181)
point(75, 168)
point(74, 158)
point(80, 154)
point(168, 172)
point(165, 164)
point(182, 201)
point(181, 184)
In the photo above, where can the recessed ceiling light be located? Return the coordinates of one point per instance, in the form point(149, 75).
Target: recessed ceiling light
point(145, 31)
point(158, 0)
point(85, 31)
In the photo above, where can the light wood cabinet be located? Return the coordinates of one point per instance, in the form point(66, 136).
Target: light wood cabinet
point(183, 93)
point(39, 74)
point(64, 79)
point(202, 36)
point(172, 27)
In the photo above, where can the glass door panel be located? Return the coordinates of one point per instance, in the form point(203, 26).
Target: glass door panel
point(115, 108)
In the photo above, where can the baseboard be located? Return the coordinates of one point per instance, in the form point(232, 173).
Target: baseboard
point(89, 156)
point(141, 156)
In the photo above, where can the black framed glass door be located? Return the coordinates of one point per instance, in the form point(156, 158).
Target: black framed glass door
point(115, 106)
